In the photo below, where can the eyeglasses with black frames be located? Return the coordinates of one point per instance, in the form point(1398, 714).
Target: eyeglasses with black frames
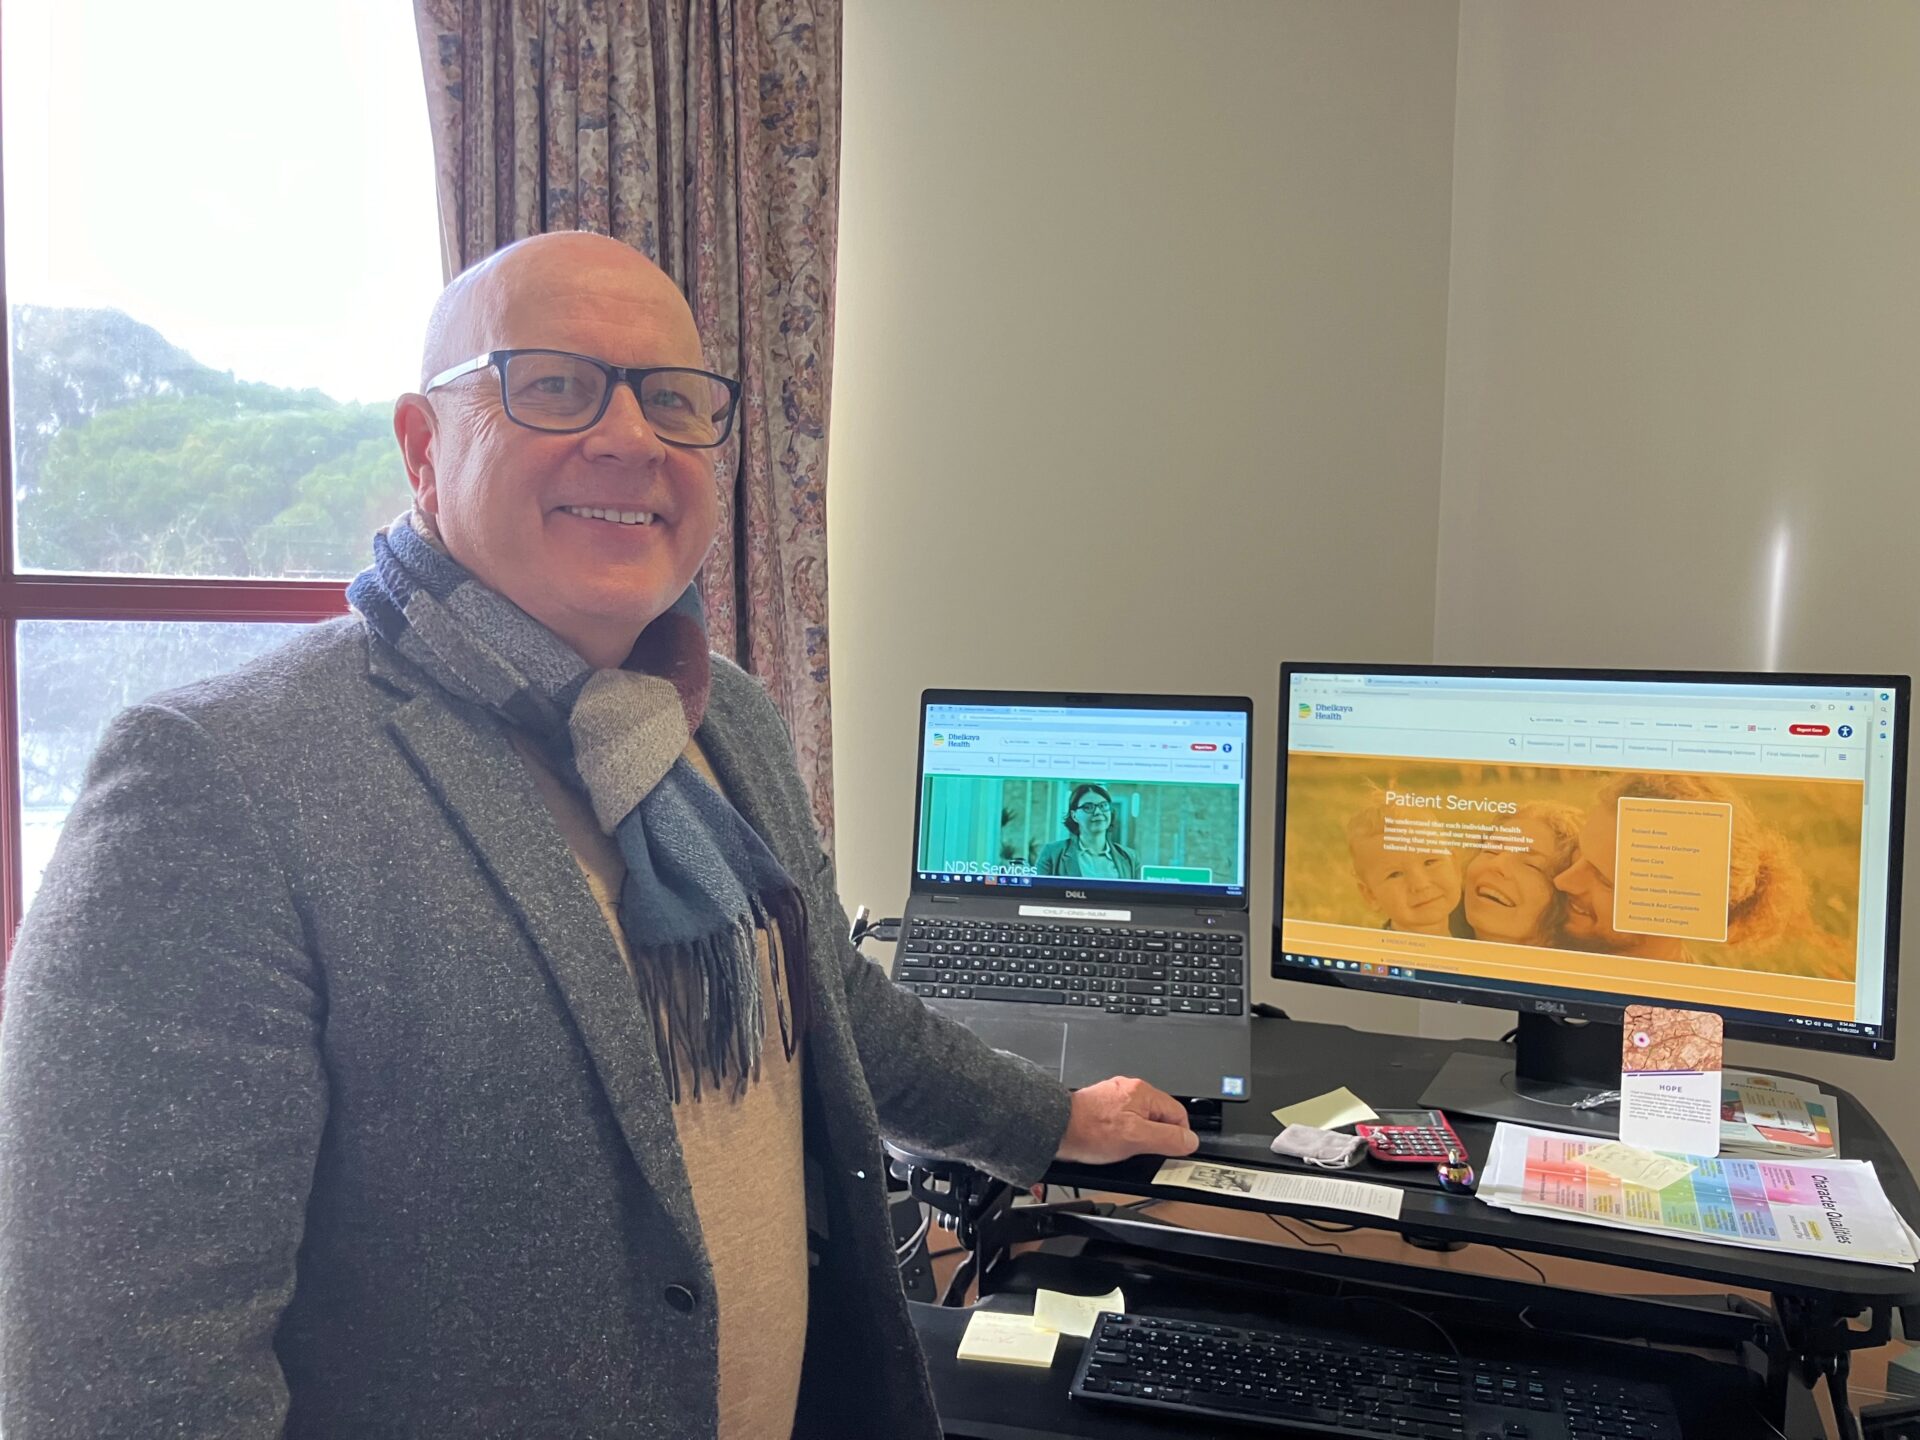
point(564, 393)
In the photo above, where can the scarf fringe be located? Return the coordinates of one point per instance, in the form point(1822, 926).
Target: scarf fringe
point(787, 932)
point(708, 1012)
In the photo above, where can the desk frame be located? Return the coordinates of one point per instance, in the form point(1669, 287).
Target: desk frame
point(1809, 1334)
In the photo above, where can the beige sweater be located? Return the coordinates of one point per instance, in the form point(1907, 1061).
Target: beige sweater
point(743, 1158)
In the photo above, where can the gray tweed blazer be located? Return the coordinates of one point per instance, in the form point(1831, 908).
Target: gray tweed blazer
point(327, 1107)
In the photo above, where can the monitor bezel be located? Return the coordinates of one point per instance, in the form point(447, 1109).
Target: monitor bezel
point(1881, 1047)
point(1090, 891)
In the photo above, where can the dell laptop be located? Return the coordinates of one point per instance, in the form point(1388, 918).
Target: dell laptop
point(1079, 889)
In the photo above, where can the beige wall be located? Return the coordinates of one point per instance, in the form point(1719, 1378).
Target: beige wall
point(1683, 356)
point(1659, 260)
point(1140, 335)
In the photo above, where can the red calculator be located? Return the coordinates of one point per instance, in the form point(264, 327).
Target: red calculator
point(1410, 1137)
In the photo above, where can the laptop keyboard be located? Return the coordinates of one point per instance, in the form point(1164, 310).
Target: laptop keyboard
point(1122, 969)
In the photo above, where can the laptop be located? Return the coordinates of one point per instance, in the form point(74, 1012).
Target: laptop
point(1079, 890)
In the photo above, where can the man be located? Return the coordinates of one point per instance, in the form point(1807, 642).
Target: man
point(1767, 896)
point(410, 1039)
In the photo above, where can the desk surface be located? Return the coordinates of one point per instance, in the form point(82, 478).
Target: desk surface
point(1294, 1060)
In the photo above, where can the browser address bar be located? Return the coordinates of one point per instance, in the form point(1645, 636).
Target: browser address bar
point(1585, 703)
point(1068, 721)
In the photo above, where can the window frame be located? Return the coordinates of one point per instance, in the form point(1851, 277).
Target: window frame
point(36, 596)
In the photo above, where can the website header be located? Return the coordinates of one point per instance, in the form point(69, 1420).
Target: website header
point(1828, 738)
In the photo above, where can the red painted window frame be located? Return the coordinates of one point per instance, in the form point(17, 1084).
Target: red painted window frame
point(100, 597)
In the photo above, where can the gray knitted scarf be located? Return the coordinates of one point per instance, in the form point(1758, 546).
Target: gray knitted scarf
point(700, 881)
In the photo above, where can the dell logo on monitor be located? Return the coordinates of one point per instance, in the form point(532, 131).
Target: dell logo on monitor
point(1076, 894)
point(1548, 1007)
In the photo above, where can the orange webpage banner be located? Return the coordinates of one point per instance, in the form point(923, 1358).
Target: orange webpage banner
point(1740, 891)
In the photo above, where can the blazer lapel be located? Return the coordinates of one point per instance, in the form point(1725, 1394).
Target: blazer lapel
point(472, 767)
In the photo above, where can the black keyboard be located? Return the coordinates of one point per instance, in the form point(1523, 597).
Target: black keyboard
point(1317, 1384)
point(1122, 969)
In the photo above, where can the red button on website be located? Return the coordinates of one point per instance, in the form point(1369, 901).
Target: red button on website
point(1202, 745)
point(1808, 729)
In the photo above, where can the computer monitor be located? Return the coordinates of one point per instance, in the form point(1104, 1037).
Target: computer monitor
point(1014, 784)
point(1564, 843)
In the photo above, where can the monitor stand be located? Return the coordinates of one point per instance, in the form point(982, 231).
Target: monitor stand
point(1555, 1064)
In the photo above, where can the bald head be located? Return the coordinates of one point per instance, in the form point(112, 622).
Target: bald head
point(505, 300)
point(594, 532)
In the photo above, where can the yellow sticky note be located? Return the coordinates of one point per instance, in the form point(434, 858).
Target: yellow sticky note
point(1328, 1111)
point(1003, 1339)
point(1074, 1314)
point(1636, 1166)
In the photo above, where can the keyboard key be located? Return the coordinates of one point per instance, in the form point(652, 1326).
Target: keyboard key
point(1031, 997)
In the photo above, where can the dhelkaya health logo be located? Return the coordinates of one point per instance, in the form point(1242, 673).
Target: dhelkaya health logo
point(1306, 711)
point(938, 739)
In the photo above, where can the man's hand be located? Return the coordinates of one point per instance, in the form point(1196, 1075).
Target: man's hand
point(1123, 1117)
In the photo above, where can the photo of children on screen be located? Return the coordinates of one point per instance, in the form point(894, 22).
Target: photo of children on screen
point(1543, 872)
point(1417, 891)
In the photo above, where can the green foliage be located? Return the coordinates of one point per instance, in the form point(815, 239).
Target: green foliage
point(132, 458)
point(69, 365)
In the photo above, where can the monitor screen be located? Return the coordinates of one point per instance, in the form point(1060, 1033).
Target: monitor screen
point(1575, 841)
point(1055, 794)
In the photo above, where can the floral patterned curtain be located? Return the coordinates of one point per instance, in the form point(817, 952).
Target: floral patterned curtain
point(706, 133)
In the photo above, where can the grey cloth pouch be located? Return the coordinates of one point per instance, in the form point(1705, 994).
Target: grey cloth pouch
point(1328, 1149)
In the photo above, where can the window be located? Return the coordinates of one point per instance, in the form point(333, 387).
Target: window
point(220, 248)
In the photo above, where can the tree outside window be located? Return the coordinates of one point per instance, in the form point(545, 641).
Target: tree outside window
point(220, 247)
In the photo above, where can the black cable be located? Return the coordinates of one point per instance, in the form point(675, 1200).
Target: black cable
point(1330, 1227)
point(1417, 1314)
point(865, 930)
point(1311, 1244)
point(1843, 1417)
point(1524, 1261)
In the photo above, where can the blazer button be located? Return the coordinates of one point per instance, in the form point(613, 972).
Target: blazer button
point(680, 1297)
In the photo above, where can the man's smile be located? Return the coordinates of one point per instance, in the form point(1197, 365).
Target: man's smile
point(607, 516)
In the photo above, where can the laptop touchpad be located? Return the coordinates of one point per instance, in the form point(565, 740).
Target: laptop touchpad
point(1044, 1042)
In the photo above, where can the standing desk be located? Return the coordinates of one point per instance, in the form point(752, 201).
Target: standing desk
point(1820, 1311)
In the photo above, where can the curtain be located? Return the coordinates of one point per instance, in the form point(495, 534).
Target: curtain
point(705, 133)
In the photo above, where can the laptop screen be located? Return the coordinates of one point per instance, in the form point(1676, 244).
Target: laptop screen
point(1142, 796)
